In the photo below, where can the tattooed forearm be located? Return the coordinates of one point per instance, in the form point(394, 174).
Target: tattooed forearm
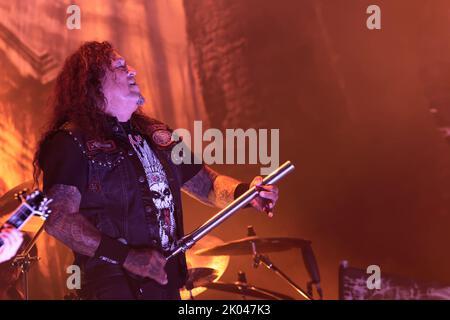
point(146, 263)
point(141, 260)
point(211, 188)
point(201, 185)
point(67, 225)
point(224, 187)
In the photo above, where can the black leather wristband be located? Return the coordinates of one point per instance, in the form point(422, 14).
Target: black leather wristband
point(112, 251)
point(240, 189)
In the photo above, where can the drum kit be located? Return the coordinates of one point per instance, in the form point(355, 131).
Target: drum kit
point(209, 258)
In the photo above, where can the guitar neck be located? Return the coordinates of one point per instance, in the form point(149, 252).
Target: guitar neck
point(22, 214)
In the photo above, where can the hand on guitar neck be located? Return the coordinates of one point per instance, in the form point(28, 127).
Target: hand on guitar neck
point(10, 241)
point(10, 236)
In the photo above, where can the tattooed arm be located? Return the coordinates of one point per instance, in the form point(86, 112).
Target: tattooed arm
point(211, 188)
point(69, 226)
point(217, 190)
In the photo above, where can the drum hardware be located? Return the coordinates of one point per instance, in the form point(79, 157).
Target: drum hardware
point(198, 277)
point(256, 246)
point(242, 278)
point(246, 290)
point(195, 262)
point(24, 261)
point(244, 246)
point(259, 258)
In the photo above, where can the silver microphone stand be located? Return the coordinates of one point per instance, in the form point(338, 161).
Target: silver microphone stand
point(191, 239)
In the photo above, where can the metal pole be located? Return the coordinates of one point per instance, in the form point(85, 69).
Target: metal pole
point(189, 240)
point(266, 261)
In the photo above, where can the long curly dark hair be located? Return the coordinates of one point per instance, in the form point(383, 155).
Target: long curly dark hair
point(78, 98)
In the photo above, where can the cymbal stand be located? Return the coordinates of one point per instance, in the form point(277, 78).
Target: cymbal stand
point(24, 261)
point(259, 258)
point(242, 279)
point(189, 287)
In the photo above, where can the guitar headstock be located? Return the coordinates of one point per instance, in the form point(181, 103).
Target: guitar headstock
point(21, 195)
point(37, 202)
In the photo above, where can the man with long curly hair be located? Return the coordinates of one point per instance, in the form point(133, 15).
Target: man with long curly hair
point(115, 190)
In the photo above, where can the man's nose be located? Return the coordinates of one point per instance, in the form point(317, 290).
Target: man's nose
point(131, 71)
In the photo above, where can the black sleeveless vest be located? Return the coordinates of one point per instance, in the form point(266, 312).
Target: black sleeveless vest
point(117, 199)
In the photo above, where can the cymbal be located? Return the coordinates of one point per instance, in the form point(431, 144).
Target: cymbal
point(197, 277)
point(218, 263)
point(244, 246)
point(8, 202)
point(247, 290)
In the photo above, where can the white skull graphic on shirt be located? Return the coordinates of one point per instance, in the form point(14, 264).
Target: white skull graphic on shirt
point(159, 187)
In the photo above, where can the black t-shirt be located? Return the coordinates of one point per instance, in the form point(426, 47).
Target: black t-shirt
point(62, 162)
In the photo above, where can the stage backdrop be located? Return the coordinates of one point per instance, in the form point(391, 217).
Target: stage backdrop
point(352, 105)
point(34, 42)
